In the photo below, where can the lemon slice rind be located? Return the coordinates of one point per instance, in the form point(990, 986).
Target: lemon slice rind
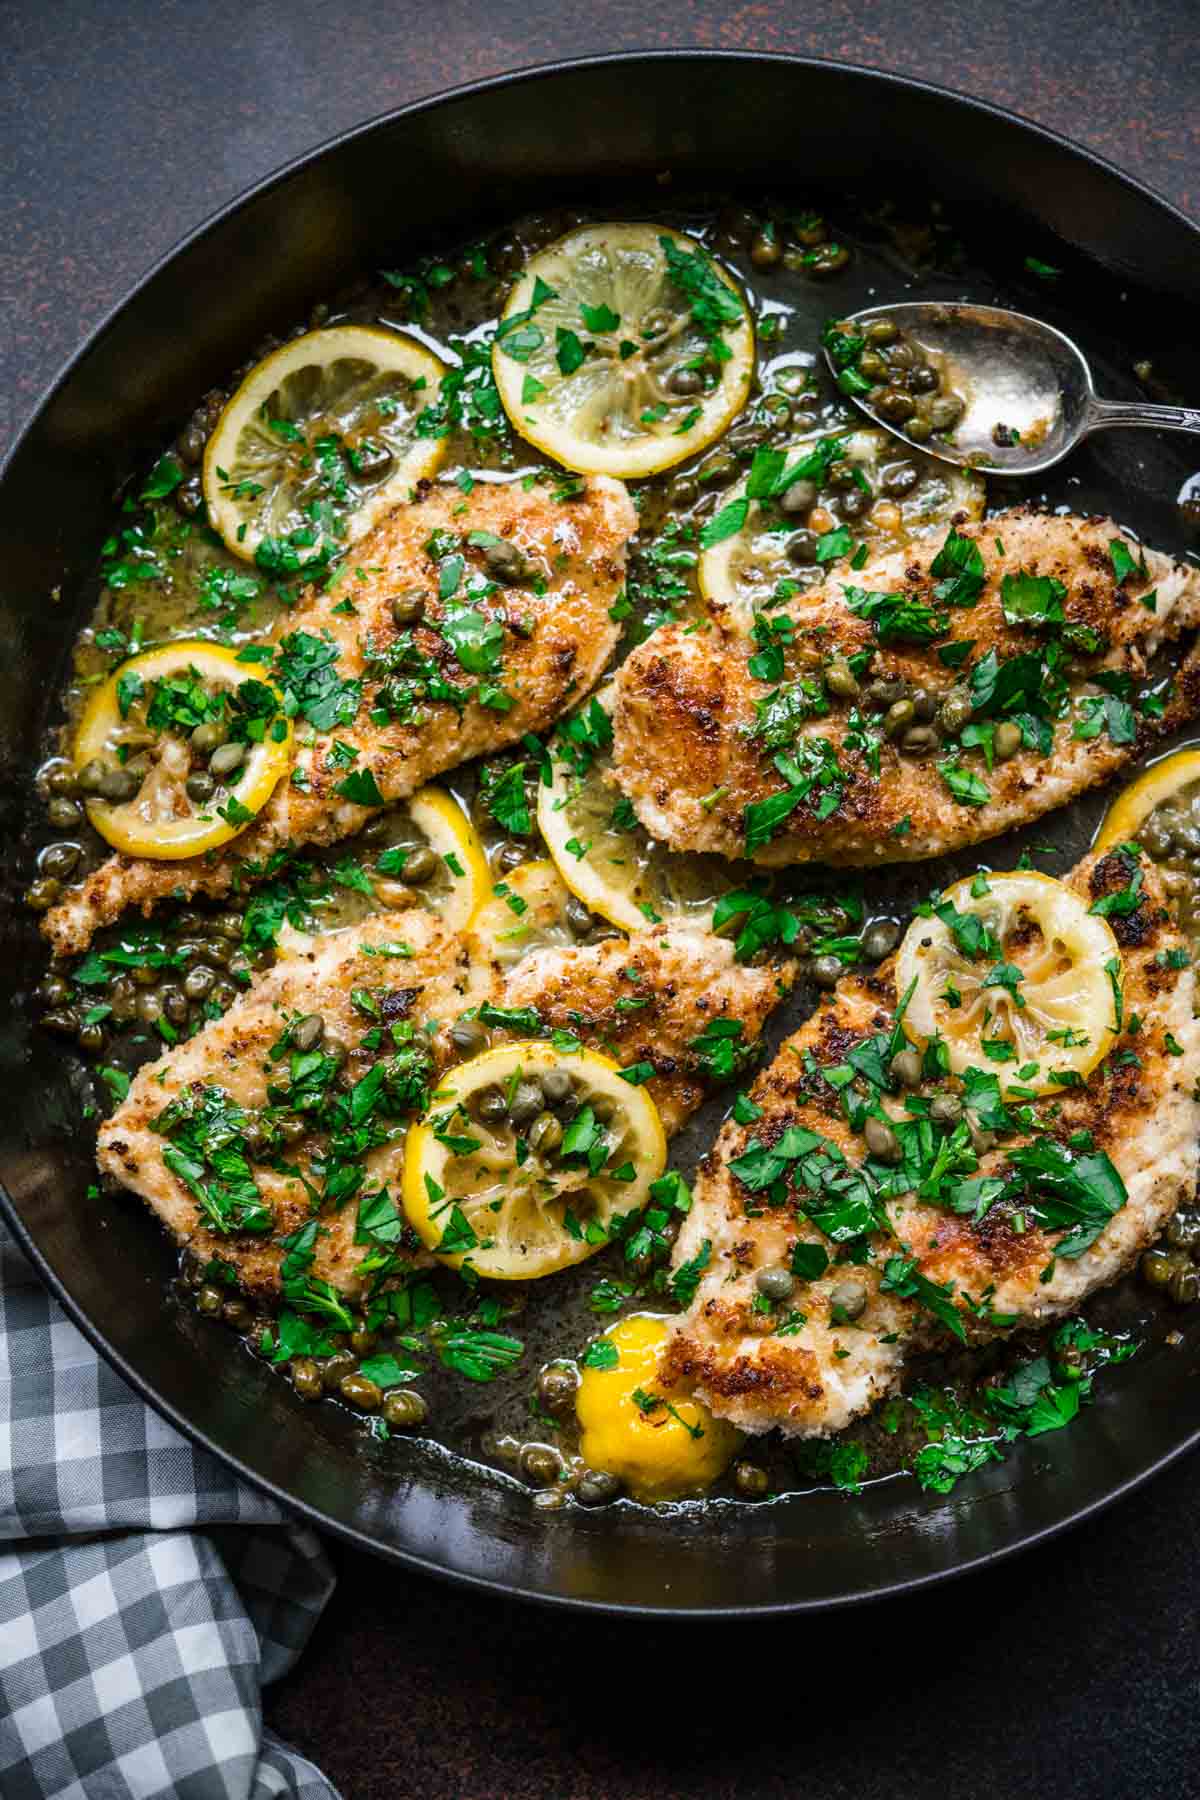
point(524, 911)
point(611, 414)
point(1066, 986)
point(449, 833)
point(157, 823)
point(1134, 804)
point(517, 1212)
point(246, 451)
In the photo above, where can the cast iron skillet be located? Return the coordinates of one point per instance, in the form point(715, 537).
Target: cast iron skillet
point(431, 172)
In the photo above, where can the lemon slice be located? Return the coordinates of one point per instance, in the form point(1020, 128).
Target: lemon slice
point(163, 727)
point(660, 1444)
point(326, 426)
point(526, 910)
point(461, 884)
point(1040, 984)
point(606, 858)
point(623, 349)
point(744, 571)
point(1164, 781)
point(506, 1175)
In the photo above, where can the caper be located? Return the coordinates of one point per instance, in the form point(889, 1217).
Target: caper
point(54, 991)
point(63, 813)
point(850, 1297)
point(404, 1409)
point(922, 379)
point(210, 1300)
point(227, 925)
point(906, 1068)
point(173, 1001)
point(944, 412)
point(802, 548)
point(946, 1109)
point(920, 740)
point(90, 776)
point(526, 1103)
point(506, 561)
point(144, 975)
point(1156, 1268)
point(826, 259)
point(63, 1021)
point(1184, 1285)
point(557, 1385)
point(897, 406)
point(750, 1480)
point(1154, 838)
point(919, 430)
point(308, 1032)
point(237, 1313)
point(955, 712)
point(224, 994)
point(119, 785)
point(683, 491)
point(898, 717)
point(58, 861)
point(1183, 1230)
point(408, 608)
point(256, 1140)
point(685, 381)
point(491, 1106)
point(41, 894)
point(882, 1141)
point(225, 759)
point(205, 738)
point(420, 865)
point(826, 971)
point(579, 916)
point(872, 366)
point(597, 1488)
point(880, 331)
point(361, 1392)
point(306, 1378)
point(798, 496)
point(91, 1038)
point(764, 249)
point(717, 468)
point(62, 781)
point(1006, 740)
point(882, 691)
point(540, 1464)
point(557, 1086)
point(841, 681)
point(239, 964)
point(545, 1134)
point(776, 1283)
point(122, 997)
point(334, 1370)
point(602, 1108)
point(880, 939)
point(510, 856)
point(291, 1129)
point(899, 479)
point(362, 1342)
point(469, 1036)
point(852, 504)
point(200, 787)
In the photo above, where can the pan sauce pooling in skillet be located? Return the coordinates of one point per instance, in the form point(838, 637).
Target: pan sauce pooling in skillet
point(418, 1063)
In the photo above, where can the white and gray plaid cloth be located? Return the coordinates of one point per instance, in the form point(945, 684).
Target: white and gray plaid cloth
point(145, 1594)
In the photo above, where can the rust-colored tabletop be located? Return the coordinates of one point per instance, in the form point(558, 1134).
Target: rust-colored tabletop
point(1070, 1671)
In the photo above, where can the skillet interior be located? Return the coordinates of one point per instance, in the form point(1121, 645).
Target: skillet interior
point(442, 169)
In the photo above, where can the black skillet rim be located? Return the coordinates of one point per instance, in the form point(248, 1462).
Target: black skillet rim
point(360, 1539)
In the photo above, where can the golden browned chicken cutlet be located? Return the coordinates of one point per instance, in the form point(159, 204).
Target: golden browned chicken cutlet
point(511, 592)
point(972, 1209)
point(932, 700)
point(294, 1104)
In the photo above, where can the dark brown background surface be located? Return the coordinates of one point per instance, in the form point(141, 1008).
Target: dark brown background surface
point(1072, 1670)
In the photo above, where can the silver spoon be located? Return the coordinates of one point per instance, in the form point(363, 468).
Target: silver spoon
point(1027, 388)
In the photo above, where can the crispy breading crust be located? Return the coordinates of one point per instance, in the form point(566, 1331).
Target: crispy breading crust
point(578, 549)
point(686, 701)
point(1144, 1115)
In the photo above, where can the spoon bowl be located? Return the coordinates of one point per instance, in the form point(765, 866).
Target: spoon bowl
point(1027, 388)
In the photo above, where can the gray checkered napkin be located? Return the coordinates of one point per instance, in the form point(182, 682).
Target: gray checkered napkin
point(145, 1595)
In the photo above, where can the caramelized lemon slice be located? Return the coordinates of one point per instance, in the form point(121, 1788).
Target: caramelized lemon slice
point(623, 349)
point(324, 429)
point(179, 750)
point(606, 858)
point(1162, 782)
point(1016, 978)
point(526, 1157)
point(661, 1445)
point(744, 571)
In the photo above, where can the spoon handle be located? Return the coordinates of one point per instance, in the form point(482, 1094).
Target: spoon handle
point(1104, 414)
